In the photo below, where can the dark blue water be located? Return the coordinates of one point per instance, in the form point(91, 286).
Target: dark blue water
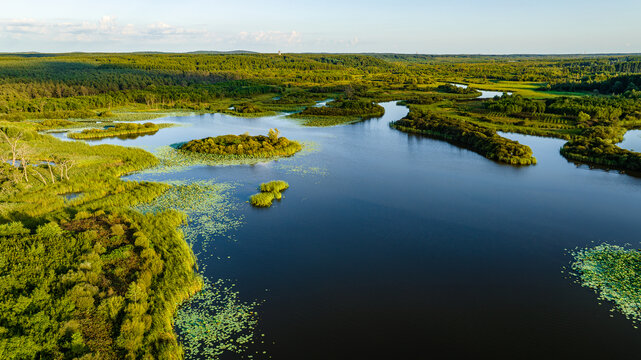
point(410, 247)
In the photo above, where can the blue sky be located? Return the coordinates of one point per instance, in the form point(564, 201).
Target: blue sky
point(404, 26)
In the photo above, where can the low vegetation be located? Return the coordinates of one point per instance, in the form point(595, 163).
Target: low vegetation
point(99, 285)
point(119, 129)
point(245, 145)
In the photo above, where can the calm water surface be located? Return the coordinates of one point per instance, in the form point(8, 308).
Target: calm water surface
point(411, 248)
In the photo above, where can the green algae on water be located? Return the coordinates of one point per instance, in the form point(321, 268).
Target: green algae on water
point(208, 206)
point(215, 322)
point(614, 273)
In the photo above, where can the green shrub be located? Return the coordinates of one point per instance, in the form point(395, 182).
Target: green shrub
point(269, 191)
point(263, 199)
point(245, 145)
point(276, 185)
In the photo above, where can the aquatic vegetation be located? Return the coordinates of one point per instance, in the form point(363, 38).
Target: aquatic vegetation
point(303, 170)
point(118, 129)
point(245, 145)
point(208, 208)
point(269, 191)
point(614, 272)
point(172, 160)
point(215, 322)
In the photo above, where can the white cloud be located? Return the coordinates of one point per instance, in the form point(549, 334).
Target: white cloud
point(106, 29)
point(270, 37)
point(109, 33)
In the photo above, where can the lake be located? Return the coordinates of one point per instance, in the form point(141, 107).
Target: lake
point(485, 94)
point(389, 245)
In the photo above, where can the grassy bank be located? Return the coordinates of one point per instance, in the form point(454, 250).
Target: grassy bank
point(93, 276)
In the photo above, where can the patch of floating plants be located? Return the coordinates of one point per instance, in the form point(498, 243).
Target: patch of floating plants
point(268, 192)
point(216, 322)
point(208, 207)
point(614, 273)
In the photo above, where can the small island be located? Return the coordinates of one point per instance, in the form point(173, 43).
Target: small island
point(120, 129)
point(268, 192)
point(245, 145)
point(248, 110)
point(340, 112)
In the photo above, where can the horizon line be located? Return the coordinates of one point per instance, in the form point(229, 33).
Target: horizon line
point(247, 52)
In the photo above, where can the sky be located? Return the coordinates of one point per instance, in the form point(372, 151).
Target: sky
point(346, 26)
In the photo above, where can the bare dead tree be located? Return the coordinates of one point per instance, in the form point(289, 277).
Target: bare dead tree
point(65, 165)
point(13, 145)
point(42, 178)
point(49, 161)
point(23, 153)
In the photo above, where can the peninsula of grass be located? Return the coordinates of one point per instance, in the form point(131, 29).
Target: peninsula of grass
point(119, 129)
point(268, 192)
point(479, 139)
point(245, 145)
point(248, 110)
point(596, 146)
point(339, 112)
